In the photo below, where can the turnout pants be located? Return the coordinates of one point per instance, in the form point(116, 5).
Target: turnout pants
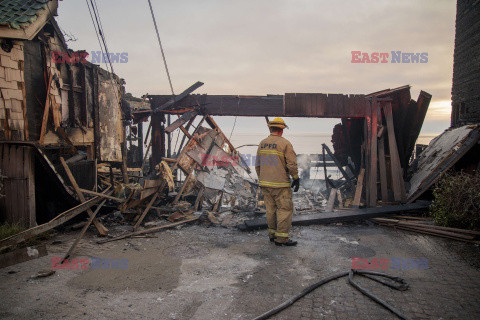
point(279, 204)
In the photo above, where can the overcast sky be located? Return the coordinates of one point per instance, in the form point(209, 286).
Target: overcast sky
point(275, 46)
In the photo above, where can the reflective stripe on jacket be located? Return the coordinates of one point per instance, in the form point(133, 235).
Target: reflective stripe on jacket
point(275, 161)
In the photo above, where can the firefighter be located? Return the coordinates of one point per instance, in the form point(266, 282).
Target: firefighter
point(275, 161)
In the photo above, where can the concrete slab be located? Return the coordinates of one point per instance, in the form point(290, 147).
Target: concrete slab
point(219, 273)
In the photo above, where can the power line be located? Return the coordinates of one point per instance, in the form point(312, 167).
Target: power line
point(100, 34)
point(234, 123)
point(96, 31)
point(161, 47)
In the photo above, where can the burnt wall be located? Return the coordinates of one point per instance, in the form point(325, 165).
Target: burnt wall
point(35, 89)
point(466, 65)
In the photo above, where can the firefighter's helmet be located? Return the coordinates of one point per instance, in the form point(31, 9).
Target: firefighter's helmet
point(278, 123)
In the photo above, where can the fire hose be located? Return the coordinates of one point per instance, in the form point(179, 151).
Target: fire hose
point(396, 283)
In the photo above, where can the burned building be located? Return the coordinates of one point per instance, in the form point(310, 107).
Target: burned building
point(466, 65)
point(53, 103)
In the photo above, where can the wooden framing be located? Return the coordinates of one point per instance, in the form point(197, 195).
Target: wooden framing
point(358, 190)
point(102, 230)
point(396, 169)
point(319, 105)
point(372, 143)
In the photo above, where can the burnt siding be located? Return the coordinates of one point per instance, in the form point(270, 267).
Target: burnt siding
point(466, 65)
point(35, 89)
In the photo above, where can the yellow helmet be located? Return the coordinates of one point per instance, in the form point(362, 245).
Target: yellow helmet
point(277, 122)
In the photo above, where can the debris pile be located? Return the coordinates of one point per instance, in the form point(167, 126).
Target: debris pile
point(203, 178)
point(206, 181)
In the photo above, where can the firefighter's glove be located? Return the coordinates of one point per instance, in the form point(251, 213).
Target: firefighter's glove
point(296, 185)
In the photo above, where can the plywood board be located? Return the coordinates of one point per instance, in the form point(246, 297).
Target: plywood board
point(440, 155)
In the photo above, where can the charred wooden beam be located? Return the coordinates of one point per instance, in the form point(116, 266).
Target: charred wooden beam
point(180, 121)
point(158, 139)
point(341, 216)
point(291, 105)
point(173, 101)
point(83, 96)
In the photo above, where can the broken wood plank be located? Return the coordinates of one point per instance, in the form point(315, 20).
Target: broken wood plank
point(146, 155)
point(57, 221)
point(365, 158)
point(199, 198)
point(105, 196)
point(345, 175)
point(171, 103)
point(372, 179)
point(77, 226)
point(85, 227)
point(325, 175)
point(427, 226)
point(188, 135)
point(56, 112)
point(340, 200)
point(331, 200)
point(184, 185)
point(181, 121)
point(217, 205)
point(432, 233)
point(190, 123)
point(22, 255)
point(444, 234)
point(413, 218)
point(169, 160)
point(65, 137)
point(100, 227)
point(46, 111)
point(382, 167)
point(149, 206)
point(212, 218)
point(124, 168)
point(381, 131)
point(397, 175)
point(215, 126)
point(358, 190)
point(146, 231)
point(342, 216)
point(163, 184)
point(415, 125)
point(383, 170)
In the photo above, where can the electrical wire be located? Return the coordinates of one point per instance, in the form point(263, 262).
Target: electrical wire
point(161, 47)
point(178, 137)
point(234, 123)
point(246, 145)
point(100, 35)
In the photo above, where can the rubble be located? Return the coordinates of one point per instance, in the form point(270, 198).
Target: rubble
point(85, 153)
point(206, 179)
